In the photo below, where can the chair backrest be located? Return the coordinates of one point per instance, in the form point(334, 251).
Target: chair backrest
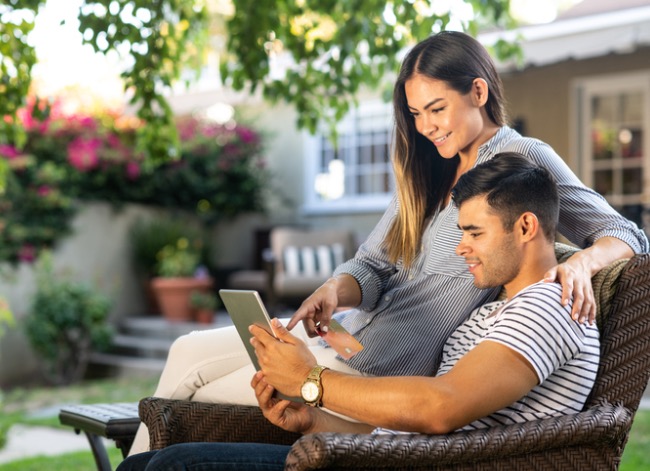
point(623, 289)
point(283, 237)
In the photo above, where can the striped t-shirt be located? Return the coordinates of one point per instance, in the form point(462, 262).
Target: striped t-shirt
point(564, 353)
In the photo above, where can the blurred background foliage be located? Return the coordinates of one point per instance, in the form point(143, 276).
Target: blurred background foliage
point(67, 322)
point(315, 55)
point(71, 158)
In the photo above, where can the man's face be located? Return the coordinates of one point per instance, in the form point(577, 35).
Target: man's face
point(491, 253)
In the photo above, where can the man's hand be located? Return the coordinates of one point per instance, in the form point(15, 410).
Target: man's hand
point(285, 414)
point(285, 360)
point(317, 309)
point(575, 276)
point(300, 418)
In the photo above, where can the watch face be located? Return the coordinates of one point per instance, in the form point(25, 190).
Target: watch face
point(309, 391)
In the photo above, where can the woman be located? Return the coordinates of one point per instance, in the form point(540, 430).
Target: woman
point(410, 288)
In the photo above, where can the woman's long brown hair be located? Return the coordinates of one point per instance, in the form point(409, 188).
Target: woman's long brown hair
point(424, 178)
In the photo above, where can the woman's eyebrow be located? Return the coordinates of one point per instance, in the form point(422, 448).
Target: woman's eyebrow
point(427, 106)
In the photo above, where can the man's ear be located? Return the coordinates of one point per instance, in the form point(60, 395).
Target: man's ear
point(527, 226)
point(480, 91)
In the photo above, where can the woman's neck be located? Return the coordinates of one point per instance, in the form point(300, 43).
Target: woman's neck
point(468, 156)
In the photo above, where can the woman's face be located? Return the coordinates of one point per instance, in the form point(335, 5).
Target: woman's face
point(454, 123)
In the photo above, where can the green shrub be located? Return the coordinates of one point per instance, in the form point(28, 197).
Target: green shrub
point(153, 240)
point(67, 321)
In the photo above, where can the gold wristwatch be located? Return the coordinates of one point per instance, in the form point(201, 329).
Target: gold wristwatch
point(312, 389)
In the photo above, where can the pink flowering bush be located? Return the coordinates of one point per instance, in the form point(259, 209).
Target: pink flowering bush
point(71, 158)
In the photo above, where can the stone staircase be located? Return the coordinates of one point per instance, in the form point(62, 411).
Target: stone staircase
point(142, 343)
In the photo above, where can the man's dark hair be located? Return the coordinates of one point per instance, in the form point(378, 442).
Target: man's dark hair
point(513, 185)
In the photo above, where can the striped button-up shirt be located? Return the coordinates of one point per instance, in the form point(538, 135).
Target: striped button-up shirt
point(407, 314)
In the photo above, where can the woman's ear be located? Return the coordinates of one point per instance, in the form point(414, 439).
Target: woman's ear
point(480, 91)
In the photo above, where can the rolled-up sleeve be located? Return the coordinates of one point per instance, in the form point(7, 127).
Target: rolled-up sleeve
point(370, 265)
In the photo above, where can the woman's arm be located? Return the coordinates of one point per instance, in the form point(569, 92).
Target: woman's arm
point(587, 220)
point(585, 216)
point(370, 266)
point(359, 282)
point(340, 290)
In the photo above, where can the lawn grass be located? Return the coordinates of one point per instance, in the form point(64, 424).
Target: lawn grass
point(39, 406)
point(77, 461)
point(20, 407)
point(637, 452)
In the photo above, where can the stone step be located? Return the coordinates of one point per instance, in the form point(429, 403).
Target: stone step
point(127, 362)
point(142, 343)
point(145, 346)
point(160, 328)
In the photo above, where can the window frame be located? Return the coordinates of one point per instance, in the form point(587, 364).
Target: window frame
point(584, 89)
point(370, 115)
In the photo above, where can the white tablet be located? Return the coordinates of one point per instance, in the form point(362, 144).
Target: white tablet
point(246, 308)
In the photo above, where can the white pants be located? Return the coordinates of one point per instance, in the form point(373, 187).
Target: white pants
point(213, 366)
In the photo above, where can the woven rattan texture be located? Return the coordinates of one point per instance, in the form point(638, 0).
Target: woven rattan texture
point(171, 421)
point(593, 439)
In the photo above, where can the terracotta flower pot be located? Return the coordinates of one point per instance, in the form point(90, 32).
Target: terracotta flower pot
point(173, 295)
point(204, 316)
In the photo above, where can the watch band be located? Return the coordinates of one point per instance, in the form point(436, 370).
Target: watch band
point(314, 376)
point(315, 372)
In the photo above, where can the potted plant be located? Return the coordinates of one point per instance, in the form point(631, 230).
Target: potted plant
point(66, 322)
point(179, 273)
point(148, 237)
point(204, 306)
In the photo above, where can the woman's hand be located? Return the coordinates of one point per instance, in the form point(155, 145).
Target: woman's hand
point(317, 309)
point(575, 276)
point(285, 414)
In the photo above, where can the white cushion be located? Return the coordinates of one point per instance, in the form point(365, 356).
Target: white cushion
point(320, 260)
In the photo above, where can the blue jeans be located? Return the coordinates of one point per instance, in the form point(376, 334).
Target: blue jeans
point(209, 457)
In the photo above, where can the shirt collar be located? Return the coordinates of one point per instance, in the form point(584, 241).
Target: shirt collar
point(487, 150)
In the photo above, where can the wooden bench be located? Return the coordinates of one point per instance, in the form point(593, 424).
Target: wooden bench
point(118, 422)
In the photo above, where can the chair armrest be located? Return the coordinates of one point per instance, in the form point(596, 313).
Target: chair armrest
point(524, 446)
point(172, 421)
point(602, 428)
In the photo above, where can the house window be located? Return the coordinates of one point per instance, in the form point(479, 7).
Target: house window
point(356, 176)
point(614, 140)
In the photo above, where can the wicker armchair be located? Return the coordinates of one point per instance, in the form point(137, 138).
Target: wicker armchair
point(591, 439)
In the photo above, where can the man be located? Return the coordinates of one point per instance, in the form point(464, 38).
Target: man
point(511, 361)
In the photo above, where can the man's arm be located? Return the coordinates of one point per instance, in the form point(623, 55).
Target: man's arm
point(488, 378)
